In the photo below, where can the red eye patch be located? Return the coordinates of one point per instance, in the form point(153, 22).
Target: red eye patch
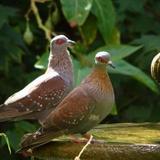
point(60, 41)
point(100, 59)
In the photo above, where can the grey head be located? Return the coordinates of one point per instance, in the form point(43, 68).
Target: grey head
point(59, 58)
point(58, 50)
point(103, 58)
point(60, 42)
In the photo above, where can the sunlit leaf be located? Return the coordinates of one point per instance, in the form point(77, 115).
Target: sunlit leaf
point(117, 51)
point(123, 67)
point(114, 110)
point(42, 62)
point(89, 30)
point(76, 11)
point(80, 72)
point(7, 141)
point(104, 11)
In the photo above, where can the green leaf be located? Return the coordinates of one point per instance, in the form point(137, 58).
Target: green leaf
point(11, 38)
point(114, 110)
point(15, 53)
point(76, 11)
point(25, 126)
point(15, 134)
point(150, 42)
point(117, 51)
point(42, 62)
point(132, 6)
point(80, 72)
point(7, 141)
point(144, 25)
point(12, 47)
point(89, 30)
point(123, 67)
point(142, 115)
point(5, 13)
point(115, 38)
point(104, 11)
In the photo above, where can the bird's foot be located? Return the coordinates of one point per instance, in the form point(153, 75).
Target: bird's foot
point(27, 153)
point(75, 139)
point(87, 136)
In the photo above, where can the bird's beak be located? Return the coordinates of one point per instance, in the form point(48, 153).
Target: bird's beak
point(111, 64)
point(71, 42)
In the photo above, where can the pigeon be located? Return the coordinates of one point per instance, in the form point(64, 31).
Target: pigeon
point(81, 110)
point(43, 94)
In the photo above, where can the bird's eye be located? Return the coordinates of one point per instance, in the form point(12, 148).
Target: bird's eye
point(60, 41)
point(100, 59)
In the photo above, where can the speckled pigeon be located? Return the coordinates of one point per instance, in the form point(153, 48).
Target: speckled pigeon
point(81, 110)
point(43, 94)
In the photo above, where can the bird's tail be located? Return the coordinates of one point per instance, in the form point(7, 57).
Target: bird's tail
point(5, 114)
point(34, 140)
point(9, 113)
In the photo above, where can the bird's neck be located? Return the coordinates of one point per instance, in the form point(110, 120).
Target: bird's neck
point(98, 82)
point(99, 71)
point(97, 74)
point(60, 61)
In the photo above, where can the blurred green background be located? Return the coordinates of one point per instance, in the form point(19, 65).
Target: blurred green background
point(129, 30)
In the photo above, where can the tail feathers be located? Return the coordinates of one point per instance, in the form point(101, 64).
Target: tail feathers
point(8, 113)
point(2, 105)
point(3, 113)
point(34, 140)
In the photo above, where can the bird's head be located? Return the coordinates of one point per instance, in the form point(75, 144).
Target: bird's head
point(61, 41)
point(103, 58)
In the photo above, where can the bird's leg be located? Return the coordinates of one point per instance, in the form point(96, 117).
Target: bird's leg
point(75, 139)
point(86, 135)
point(27, 153)
point(88, 143)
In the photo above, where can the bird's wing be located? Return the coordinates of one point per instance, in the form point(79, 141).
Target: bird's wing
point(44, 92)
point(70, 113)
point(75, 107)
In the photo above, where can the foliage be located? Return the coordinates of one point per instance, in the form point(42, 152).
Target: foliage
point(6, 140)
point(129, 30)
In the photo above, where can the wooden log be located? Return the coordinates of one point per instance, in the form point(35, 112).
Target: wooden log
point(113, 142)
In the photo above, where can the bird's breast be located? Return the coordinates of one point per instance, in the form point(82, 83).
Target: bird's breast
point(104, 98)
